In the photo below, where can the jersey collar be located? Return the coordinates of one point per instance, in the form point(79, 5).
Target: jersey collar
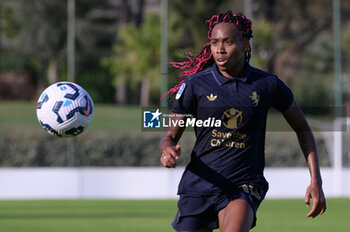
point(221, 80)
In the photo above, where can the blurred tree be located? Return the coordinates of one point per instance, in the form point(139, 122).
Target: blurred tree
point(36, 29)
point(129, 12)
point(121, 87)
point(263, 32)
point(136, 58)
point(291, 38)
point(291, 32)
point(191, 16)
point(297, 45)
point(346, 65)
point(96, 23)
point(34, 34)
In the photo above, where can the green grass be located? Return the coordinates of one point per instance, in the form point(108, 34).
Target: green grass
point(16, 117)
point(290, 216)
point(85, 215)
point(155, 216)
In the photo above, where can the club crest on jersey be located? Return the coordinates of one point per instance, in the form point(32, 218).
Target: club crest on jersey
point(255, 98)
point(212, 97)
point(181, 90)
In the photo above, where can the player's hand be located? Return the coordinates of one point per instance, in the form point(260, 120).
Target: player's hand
point(315, 192)
point(170, 155)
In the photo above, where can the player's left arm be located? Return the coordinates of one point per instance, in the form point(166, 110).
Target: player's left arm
point(297, 121)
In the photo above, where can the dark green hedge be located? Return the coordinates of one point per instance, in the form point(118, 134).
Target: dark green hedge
point(32, 150)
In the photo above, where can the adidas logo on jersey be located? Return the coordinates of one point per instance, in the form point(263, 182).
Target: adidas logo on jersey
point(212, 97)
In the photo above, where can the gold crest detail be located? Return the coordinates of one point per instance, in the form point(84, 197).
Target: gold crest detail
point(212, 97)
point(255, 98)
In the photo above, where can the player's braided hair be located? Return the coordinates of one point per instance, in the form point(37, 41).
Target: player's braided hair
point(197, 63)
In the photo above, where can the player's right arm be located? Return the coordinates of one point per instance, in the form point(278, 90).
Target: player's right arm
point(168, 147)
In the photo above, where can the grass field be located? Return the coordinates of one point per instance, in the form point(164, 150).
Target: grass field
point(21, 116)
point(155, 216)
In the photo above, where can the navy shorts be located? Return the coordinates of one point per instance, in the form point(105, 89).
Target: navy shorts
point(199, 212)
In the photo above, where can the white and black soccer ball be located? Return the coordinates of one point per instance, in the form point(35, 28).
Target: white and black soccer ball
point(65, 109)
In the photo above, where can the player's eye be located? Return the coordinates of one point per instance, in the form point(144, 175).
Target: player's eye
point(214, 42)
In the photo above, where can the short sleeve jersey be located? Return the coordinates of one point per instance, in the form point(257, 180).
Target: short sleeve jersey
point(232, 153)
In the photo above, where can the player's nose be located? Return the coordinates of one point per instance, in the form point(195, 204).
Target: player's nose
point(220, 48)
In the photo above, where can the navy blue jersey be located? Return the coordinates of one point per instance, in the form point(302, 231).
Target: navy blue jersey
point(232, 153)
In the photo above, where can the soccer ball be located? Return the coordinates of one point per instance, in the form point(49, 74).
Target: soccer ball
point(65, 109)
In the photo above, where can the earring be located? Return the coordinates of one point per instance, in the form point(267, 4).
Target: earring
point(246, 56)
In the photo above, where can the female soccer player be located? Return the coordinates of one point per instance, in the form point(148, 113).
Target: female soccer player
point(223, 184)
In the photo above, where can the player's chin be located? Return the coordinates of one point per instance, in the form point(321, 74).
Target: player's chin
point(223, 68)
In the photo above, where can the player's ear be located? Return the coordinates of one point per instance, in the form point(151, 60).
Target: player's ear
point(246, 45)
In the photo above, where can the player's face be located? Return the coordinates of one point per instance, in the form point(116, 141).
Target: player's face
point(228, 48)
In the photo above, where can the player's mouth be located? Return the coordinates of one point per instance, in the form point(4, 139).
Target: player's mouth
point(221, 61)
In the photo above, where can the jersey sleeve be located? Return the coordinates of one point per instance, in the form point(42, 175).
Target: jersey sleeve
point(185, 102)
point(282, 97)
